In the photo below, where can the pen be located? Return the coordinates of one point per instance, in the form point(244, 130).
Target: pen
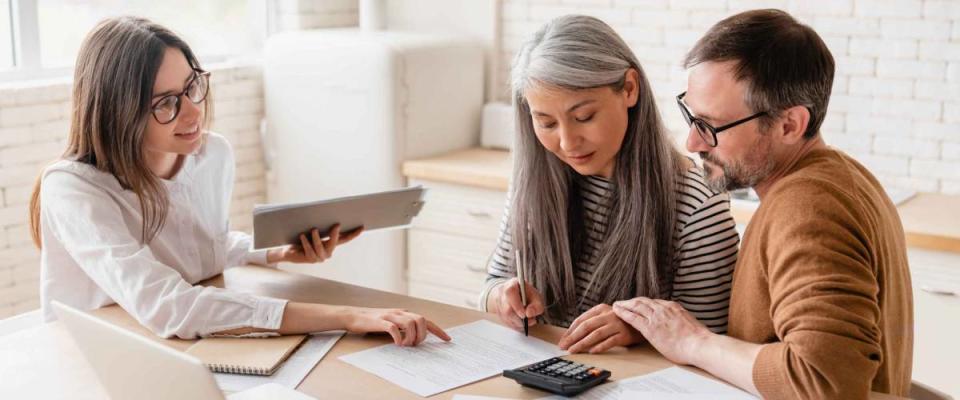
point(523, 293)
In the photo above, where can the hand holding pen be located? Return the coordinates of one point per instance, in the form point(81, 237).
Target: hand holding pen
point(510, 306)
point(523, 293)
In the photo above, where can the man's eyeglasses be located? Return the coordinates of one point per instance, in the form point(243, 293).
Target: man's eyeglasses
point(706, 131)
point(167, 108)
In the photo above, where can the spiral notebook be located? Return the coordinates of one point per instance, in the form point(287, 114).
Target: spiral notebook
point(250, 356)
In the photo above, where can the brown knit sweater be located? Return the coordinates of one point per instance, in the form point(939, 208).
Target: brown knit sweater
point(823, 280)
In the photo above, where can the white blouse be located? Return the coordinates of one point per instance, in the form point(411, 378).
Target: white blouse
point(92, 255)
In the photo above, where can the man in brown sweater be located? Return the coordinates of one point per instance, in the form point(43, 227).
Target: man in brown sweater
point(821, 304)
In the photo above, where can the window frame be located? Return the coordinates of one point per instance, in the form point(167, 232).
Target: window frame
point(25, 38)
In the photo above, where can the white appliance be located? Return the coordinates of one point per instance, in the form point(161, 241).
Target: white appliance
point(497, 126)
point(345, 108)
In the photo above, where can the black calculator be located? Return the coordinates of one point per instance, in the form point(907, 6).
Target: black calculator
point(558, 376)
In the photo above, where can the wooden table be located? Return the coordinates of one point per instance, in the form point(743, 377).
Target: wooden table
point(930, 220)
point(43, 362)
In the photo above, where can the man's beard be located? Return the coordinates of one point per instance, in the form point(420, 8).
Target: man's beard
point(738, 174)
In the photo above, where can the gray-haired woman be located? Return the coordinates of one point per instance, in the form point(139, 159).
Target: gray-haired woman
point(602, 207)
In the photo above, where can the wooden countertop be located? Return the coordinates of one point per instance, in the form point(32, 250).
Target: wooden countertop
point(930, 220)
point(489, 169)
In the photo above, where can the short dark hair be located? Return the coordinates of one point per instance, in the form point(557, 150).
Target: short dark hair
point(785, 63)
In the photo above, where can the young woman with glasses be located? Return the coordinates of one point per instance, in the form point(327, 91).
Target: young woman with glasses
point(602, 206)
point(136, 210)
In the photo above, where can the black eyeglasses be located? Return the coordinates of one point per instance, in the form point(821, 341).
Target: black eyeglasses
point(706, 131)
point(167, 108)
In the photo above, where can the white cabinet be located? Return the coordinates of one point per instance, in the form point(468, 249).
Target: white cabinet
point(936, 319)
point(346, 107)
point(450, 242)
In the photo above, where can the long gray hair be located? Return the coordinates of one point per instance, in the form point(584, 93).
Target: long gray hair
point(636, 258)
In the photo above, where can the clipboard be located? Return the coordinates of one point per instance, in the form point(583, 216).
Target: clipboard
point(281, 224)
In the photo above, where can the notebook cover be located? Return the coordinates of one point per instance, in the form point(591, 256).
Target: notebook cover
point(252, 356)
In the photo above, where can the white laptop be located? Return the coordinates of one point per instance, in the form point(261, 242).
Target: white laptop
point(133, 367)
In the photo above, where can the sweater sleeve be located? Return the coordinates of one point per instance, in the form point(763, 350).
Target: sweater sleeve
point(824, 298)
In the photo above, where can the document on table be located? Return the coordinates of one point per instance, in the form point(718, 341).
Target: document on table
point(270, 391)
point(673, 383)
point(479, 350)
point(292, 372)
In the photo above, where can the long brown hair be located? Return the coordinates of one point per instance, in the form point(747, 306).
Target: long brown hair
point(112, 94)
point(637, 256)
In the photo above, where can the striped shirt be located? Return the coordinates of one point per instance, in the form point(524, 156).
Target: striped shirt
point(706, 244)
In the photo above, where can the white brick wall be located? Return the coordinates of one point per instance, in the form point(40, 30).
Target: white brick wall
point(896, 100)
point(34, 121)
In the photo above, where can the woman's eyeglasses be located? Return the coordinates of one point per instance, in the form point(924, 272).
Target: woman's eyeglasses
point(706, 131)
point(167, 108)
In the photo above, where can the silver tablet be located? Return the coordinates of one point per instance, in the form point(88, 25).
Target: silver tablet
point(281, 224)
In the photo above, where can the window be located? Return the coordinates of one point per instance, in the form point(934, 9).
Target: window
point(213, 28)
point(40, 36)
point(6, 36)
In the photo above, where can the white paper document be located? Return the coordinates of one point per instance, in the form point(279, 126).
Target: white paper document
point(479, 350)
point(292, 372)
point(270, 391)
point(673, 383)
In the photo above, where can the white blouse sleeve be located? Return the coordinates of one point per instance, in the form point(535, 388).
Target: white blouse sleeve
point(240, 251)
point(89, 223)
point(239, 244)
